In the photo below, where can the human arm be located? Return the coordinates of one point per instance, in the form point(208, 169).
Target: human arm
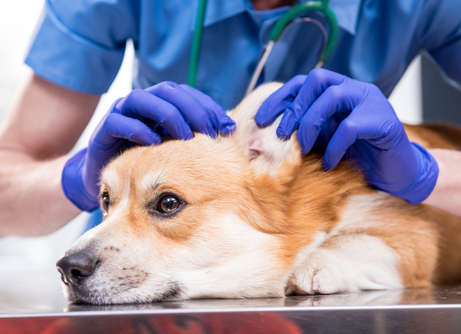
point(447, 191)
point(440, 35)
point(77, 47)
point(39, 132)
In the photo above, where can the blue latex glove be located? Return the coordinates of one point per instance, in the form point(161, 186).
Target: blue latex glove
point(346, 117)
point(144, 117)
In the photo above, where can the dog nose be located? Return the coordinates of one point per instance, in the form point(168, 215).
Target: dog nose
point(74, 268)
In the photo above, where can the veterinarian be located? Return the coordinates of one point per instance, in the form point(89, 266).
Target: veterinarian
point(78, 48)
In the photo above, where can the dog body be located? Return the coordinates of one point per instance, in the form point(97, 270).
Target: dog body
point(248, 216)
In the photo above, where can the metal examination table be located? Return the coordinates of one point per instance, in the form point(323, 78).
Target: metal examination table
point(403, 311)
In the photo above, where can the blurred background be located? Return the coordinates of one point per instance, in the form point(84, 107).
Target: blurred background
point(418, 96)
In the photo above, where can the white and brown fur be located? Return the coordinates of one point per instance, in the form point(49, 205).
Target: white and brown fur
point(260, 221)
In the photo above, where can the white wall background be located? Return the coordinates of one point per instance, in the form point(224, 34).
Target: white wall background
point(21, 255)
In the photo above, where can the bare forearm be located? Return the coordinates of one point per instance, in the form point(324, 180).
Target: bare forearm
point(447, 192)
point(31, 199)
point(34, 145)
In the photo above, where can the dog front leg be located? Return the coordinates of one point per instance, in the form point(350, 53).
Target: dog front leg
point(347, 263)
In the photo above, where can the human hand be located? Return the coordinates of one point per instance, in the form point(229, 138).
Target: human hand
point(144, 117)
point(342, 116)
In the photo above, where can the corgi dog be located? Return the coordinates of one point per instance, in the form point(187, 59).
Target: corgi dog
point(247, 216)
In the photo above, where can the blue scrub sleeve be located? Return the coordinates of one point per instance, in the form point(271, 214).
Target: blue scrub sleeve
point(443, 37)
point(449, 59)
point(80, 44)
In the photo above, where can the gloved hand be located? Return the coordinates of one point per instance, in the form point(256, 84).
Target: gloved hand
point(144, 117)
point(342, 116)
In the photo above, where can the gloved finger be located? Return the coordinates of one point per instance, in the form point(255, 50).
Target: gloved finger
point(140, 103)
point(224, 123)
point(379, 130)
point(335, 99)
point(123, 127)
point(278, 101)
point(193, 113)
point(344, 137)
point(115, 106)
point(317, 81)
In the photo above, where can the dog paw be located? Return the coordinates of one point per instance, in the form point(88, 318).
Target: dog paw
point(317, 278)
point(346, 268)
point(327, 281)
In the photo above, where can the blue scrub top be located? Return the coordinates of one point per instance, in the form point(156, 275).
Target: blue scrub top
point(79, 44)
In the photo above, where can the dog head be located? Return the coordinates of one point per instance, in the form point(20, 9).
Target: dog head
point(193, 219)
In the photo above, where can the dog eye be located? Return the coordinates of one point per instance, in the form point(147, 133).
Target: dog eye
point(167, 205)
point(105, 200)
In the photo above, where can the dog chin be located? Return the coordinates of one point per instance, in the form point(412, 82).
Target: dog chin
point(83, 296)
point(171, 292)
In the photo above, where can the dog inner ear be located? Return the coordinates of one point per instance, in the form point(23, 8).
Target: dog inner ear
point(266, 153)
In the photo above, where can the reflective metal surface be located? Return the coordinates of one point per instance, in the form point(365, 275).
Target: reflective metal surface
point(399, 311)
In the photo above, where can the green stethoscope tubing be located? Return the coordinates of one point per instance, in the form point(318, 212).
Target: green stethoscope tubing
point(274, 35)
point(196, 42)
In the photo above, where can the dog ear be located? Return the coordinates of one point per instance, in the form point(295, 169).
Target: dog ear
point(266, 153)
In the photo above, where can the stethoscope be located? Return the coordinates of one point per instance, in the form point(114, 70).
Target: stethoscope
point(280, 26)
